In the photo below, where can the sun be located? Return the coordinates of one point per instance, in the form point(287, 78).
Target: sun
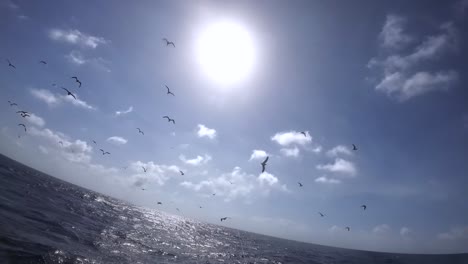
point(225, 52)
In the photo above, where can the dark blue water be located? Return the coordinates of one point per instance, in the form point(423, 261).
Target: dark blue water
point(46, 220)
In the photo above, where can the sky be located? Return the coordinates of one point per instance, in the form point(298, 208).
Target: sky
point(248, 77)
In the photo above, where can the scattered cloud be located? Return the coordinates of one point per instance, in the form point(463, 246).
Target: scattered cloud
point(341, 166)
point(381, 229)
point(406, 76)
point(77, 58)
point(258, 154)
point(155, 173)
point(456, 233)
point(292, 137)
point(43, 149)
point(10, 4)
point(76, 37)
point(405, 231)
point(23, 17)
point(290, 152)
point(199, 160)
point(340, 149)
point(35, 120)
point(52, 99)
point(204, 131)
point(117, 140)
point(324, 179)
point(129, 110)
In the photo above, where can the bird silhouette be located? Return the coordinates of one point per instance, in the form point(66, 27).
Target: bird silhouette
point(169, 119)
point(181, 173)
point(300, 184)
point(12, 103)
point(322, 215)
point(144, 169)
point(177, 209)
point(224, 218)
point(169, 42)
point(61, 143)
point(200, 207)
point(22, 112)
point(69, 93)
point(354, 147)
point(169, 91)
point(104, 152)
point(94, 141)
point(160, 203)
point(304, 133)
point(10, 64)
point(77, 80)
point(23, 125)
point(43, 62)
point(264, 163)
point(364, 206)
point(143, 189)
point(140, 131)
point(347, 228)
point(214, 194)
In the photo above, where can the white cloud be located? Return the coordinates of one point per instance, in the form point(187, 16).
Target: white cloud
point(341, 166)
point(23, 17)
point(404, 76)
point(290, 152)
point(291, 137)
point(340, 149)
point(324, 179)
point(267, 178)
point(405, 231)
point(204, 131)
point(317, 149)
point(392, 35)
point(456, 233)
point(74, 36)
point(199, 160)
point(381, 229)
point(258, 154)
point(55, 99)
point(155, 173)
point(77, 58)
point(129, 110)
point(35, 120)
point(117, 140)
point(43, 149)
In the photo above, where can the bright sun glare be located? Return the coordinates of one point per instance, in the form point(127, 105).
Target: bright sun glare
point(226, 52)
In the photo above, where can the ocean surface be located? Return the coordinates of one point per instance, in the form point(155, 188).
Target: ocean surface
point(47, 220)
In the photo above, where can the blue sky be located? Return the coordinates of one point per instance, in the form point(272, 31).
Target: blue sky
point(387, 76)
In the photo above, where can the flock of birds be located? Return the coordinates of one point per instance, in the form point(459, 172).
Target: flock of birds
point(25, 114)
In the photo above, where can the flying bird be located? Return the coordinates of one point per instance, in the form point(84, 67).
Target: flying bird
point(77, 80)
point(364, 206)
point(354, 147)
point(181, 173)
point(322, 215)
point(169, 91)
point(304, 133)
point(214, 194)
point(69, 93)
point(139, 131)
point(94, 141)
point(10, 65)
point(224, 218)
point(61, 143)
point(200, 207)
point(177, 209)
point(169, 119)
point(264, 163)
point(160, 203)
point(300, 184)
point(104, 152)
point(169, 42)
point(43, 62)
point(12, 103)
point(25, 130)
point(347, 228)
point(22, 112)
point(144, 169)
point(143, 189)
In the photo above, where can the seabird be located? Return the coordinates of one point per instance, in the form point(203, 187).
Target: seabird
point(214, 194)
point(169, 42)
point(144, 169)
point(139, 131)
point(25, 130)
point(304, 133)
point(10, 65)
point(169, 119)
point(160, 203)
point(322, 215)
point(354, 147)
point(178, 209)
point(230, 182)
point(224, 218)
point(94, 141)
point(77, 81)
point(12, 103)
point(300, 184)
point(143, 189)
point(264, 163)
point(200, 207)
point(22, 112)
point(61, 143)
point(43, 62)
point(347, 228)
point(364, 206)
point(68, 92)
point(181, 173)
point(104, 152)
point(169, 91)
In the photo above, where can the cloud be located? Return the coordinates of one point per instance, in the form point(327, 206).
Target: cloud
point(456, 233)
point(324, 179)
point(392, 35)
point(35, 120)
point(290, 152)
point(76, 37)
point(405, 231)
point(43, 149)
point(55, 99)
point(266, 178)
point(292, 137)
point(23, 17)
point(340, 149)
point(155, 173)
point(117, 140)
point(405, 76)
point(129, 110)
point(258, 154)
point(381, 229)
point(203, 131)
point(77, 58)
point(199, 160)
point(341, 166)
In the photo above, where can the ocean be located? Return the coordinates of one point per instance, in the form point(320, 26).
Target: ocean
point(47, 220)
